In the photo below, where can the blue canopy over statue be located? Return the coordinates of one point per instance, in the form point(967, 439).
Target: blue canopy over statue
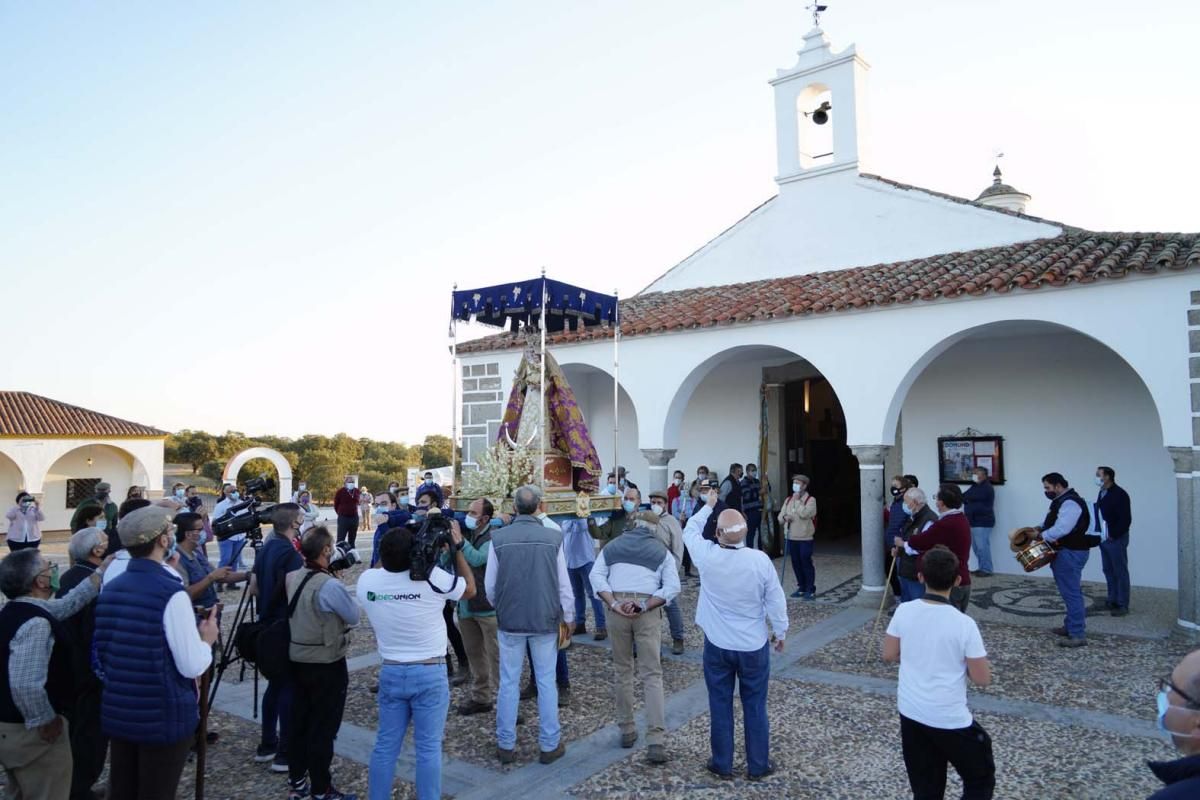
point(514, 305)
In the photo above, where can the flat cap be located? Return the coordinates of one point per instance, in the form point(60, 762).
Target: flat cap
point(659, 494)
point(144, 525)
point(103, 487)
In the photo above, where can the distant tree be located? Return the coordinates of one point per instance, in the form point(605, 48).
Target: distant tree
point(191, 447)
point(437, 451)
point(213, 471)
point(255, 467)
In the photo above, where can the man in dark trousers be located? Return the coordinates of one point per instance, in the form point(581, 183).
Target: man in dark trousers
point(345, 503)
point(1066, 527)
point(731, 488)
point(1113, 518)
point(712, 486)
point(751, 488)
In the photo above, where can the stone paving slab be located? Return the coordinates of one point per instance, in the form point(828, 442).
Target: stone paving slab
point(830, 742)
point(1113, 674)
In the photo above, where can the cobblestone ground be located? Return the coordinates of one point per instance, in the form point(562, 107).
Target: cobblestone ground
point(1065, 724)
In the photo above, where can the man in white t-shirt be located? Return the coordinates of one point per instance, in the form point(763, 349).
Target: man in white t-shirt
point(938, 648)
point(406, 616)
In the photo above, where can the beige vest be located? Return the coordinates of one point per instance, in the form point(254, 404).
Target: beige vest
point(318, 637)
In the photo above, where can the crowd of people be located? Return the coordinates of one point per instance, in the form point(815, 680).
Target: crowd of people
point(102, 663)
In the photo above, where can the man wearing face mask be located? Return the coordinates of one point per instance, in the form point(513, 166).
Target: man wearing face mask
point(623, 481)
point(1113, 520)
point(896, 520)
point(89, 745)
point(951, 530)
point(1066, 527)
point(345, 504)
point(388, 514)
point(979, 503)
point(739, 594)
point(230, 549)
point(731, 488)
point(610, 487)
point(37, 683)
point(669, 532)
point(620, 521)
point(476, 616)
point(675, 490)
point(148, 653)
point(201, 577)
point(428, 501)
point(796, 516)
point(709, 491)
point(1179, 715)
point(102, 500)
point(324, 614)
point(751, 488)
point(919, 519)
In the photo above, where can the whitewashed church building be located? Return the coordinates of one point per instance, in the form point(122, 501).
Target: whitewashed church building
point(857, 327)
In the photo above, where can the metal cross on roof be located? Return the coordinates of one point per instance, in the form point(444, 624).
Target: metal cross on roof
point(816, 9)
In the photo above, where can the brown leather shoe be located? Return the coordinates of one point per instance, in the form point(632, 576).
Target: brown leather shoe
point(628, 740)
point(656, 754)
point(550, 756)
point(505, 756)
point(600, 635)
point(472, 707)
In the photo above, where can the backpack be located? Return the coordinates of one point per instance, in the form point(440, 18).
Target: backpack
point(275, 638)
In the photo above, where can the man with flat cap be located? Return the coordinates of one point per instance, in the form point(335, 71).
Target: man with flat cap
point(739, 594)
point(148, 654)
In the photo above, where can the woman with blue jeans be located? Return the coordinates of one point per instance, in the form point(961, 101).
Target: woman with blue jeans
point(406, 616)
point(796, 516)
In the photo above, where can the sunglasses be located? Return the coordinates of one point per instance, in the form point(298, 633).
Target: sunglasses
point(1165, 684)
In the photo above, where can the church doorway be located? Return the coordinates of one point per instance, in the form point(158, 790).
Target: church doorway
point(814, 433)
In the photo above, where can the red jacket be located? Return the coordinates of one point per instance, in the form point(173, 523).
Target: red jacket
point(345, 503)
point(672, 493)
point(952, 530)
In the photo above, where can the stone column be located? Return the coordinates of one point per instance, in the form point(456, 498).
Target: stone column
point(870, 480)
point(1189, 564)
point(777, 466)
point(659, 476)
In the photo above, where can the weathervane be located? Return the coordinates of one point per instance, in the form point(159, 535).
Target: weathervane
point(816, 9)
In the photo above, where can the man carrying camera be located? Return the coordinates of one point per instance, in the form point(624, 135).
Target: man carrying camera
point(201, 577)
point(277, 558)
point(476, 617)
point(320, 628)
point(528, 583)
point(403, 601)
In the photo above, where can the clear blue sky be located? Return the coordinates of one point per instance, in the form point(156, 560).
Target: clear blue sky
point(207, 206)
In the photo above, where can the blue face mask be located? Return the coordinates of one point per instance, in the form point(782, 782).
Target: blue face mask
point(1164, 705)
point(235, 496)
point(101, 524)
point(470, 522)
point(629, 506)
point(907, 510)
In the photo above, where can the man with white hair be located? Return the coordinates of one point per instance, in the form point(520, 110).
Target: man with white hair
point(89, 745)
point(739, 594)
point(920, 518)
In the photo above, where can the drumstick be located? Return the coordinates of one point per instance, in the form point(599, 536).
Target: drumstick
point(882, 601)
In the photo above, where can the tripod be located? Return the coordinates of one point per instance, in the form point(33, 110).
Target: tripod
point(228, 656)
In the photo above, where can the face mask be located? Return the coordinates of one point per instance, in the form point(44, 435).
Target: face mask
point(751, 474)
point(679, 481)
point(470, 522)
point(1164, 705)
point(657, 509)
point(54, 581)
point(978, 479)
point(907, 511)
point(349, 486)
point(629, 506)
point(622, 483)
point(421, 511)
point(896, 492)
point(1050, 495)
point(171, 551)
point(703, 476)
point(796, 488)
point(1099, 481)
point(203, 538)
point(235, 496)
point(26, 504)
point(101, 524)
point(393, 490)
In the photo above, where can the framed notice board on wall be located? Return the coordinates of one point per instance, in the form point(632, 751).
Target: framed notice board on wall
point(959, 455)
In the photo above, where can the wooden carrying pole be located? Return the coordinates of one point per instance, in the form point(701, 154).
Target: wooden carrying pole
point(616, 383)
point(454, 397)
point(542, 391)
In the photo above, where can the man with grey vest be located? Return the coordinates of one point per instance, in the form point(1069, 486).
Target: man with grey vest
point(636, 576)
point(320, 627)
point(527, 582)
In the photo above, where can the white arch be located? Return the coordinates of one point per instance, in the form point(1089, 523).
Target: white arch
point(598, 408)
point(274, 456)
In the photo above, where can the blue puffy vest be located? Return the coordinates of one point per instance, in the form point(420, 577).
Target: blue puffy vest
point(145, 700)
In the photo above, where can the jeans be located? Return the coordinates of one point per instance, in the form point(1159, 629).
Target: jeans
point(231, 554)
point(418, 693)
point(752, 671)
point(1114, 555)
point(927, 750)
point(318, 701)
point(981, 543)
point(675, 619)
point(562, 675)
point(347, 530)
point(753, 523)
point(910, 589)
point(581, 585)
point(802, 565)
point(542, 649)
point(277, 714)
point(1067, 567)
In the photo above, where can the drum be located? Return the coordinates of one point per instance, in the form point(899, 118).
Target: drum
point(1036, 556)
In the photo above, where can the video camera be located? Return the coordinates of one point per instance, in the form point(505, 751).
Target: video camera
point(247, 516)
point(430, 536)
point(346, 557)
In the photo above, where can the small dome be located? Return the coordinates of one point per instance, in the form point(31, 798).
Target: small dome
point(998, 188)
point(1001, 195)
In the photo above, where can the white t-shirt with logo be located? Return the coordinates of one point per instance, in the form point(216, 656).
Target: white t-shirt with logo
point(406, 614)
point(935, 641)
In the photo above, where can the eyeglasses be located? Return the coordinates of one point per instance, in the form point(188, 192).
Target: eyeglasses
point(1165, 684)
point(51, 570)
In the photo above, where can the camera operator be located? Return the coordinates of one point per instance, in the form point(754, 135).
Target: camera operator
point(388, 515)
point(412, 683)
point(429, 499)
point(201, 577)
point(277, 558)
point(320, 625)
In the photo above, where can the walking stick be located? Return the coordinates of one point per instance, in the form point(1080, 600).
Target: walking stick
point(882, 601)
point(202, 734)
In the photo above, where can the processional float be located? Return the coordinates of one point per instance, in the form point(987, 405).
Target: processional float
point(543, 437)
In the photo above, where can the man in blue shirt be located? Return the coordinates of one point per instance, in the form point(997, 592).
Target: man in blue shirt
point(276, 559)
point(202, 579)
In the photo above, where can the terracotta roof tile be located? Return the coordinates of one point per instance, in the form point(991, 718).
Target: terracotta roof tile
point(29, 415)
point(1075, 257)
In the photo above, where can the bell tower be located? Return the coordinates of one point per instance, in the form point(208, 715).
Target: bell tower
point(820, 114)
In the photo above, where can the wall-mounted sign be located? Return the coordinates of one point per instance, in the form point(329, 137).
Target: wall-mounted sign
point(959, 456)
